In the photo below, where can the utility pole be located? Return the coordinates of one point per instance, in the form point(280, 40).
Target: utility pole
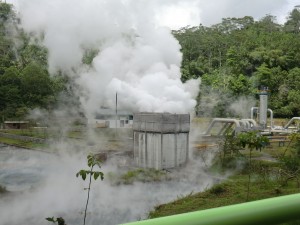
point(116, 112)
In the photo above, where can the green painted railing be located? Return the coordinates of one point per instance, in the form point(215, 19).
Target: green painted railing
point(268, 211)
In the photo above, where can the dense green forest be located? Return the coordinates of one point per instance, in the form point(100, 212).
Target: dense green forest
point(239, 56)
point(234, 58)
point(24, 80)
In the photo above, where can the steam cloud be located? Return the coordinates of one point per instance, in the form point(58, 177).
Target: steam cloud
point(134, 57)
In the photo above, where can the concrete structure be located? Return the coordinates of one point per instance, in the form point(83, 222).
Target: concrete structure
point(161, 140)
point(108, 118)
point(16, 124)
point(120, 122)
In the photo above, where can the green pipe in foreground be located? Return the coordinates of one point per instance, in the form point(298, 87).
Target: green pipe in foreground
point(267, 211)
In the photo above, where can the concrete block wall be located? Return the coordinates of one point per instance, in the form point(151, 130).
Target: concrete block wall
point(161, 122)
point(161, 140)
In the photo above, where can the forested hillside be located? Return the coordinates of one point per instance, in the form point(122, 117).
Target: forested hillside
point(234, 58)
point(239, 56)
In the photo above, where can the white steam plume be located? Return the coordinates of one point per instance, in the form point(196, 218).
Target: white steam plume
point(135, 58)
point(242, 106)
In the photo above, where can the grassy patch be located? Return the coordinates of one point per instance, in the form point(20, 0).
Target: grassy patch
point(37, 133)
point(75, 134)
point(232, 191)
point(254, 153)
point(140, 175)
point(24, 144)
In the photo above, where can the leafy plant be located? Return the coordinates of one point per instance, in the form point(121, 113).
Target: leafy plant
point(137, 175)
point(290, 164)
point(92, 162)
point(58, 220)
point(230, 151)
point(251, 140)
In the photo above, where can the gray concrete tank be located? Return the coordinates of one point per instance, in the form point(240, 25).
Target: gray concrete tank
point(161, 140)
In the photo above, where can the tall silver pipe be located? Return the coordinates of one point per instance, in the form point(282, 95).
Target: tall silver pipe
point(271, 118)
point(263, 107)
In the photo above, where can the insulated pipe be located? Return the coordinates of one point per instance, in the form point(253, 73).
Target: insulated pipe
point(251, 122)
point(291, 121)
point(263, 107)
point(252, 111)
point(245, 124)
point(224, 128)
point(271, 117)
point(221, 120)
point(268, 211)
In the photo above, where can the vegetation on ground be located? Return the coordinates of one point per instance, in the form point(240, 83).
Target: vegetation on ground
point(232, 191)
point(137, 175)
point(251, 180)
point(23, 144)
point(30, 132)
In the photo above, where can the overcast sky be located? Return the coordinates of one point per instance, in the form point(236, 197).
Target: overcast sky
point(209, 12)
point(179, 13)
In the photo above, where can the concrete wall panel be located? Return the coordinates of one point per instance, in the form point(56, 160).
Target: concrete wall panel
point(161, 139)
point(168, 151)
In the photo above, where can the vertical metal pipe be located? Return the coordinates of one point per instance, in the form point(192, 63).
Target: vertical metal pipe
point(116, 111)
point(252, 112)
point(263, 107)
point(271, 118)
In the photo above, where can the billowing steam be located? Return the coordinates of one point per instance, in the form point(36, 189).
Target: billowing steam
point(132, 56)
point(241, 107)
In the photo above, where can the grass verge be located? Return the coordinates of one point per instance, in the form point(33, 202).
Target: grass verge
point(232, 191)
point(23, 144)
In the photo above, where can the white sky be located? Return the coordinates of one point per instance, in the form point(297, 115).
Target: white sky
point(209, 12)
point(180, 13)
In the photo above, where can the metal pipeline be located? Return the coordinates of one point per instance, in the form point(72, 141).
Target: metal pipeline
point(222, 120)
point(268, 211)
point(252, 111)
point(291, 121)
point(269, 110)
point(271, 118)
point(251, 122)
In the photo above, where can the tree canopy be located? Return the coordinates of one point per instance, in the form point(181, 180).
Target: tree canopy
point(24, 80)
point(239, 56)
